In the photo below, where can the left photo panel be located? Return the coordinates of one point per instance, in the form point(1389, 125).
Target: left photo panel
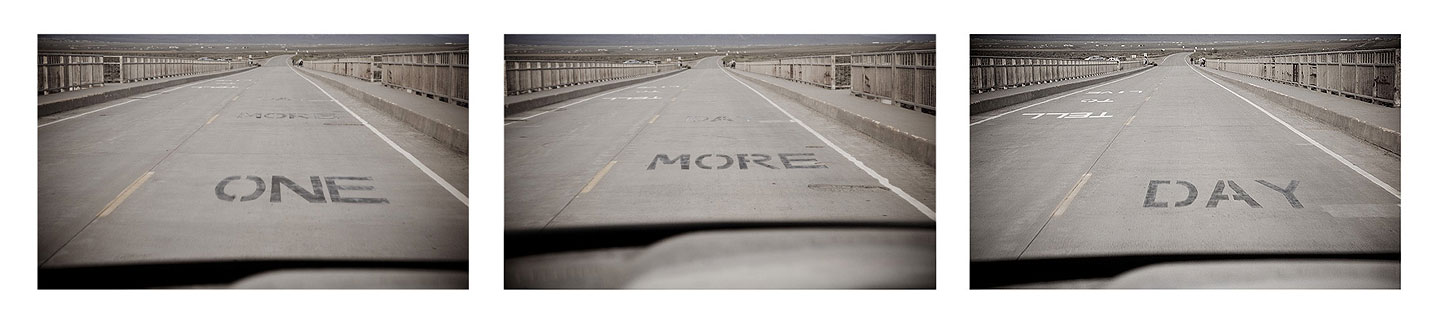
point(253, 161)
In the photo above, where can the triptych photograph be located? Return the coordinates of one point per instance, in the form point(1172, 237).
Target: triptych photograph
point(741, 171)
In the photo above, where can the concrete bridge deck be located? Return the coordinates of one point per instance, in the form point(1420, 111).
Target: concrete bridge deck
point(701, 146)
point(264, 164)
point(1171, 160)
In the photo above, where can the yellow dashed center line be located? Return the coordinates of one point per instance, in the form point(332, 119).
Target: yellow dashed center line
point(652, 120)
point(597, 177)
point(1074, 192)
point(212, 119)
point(124, 194)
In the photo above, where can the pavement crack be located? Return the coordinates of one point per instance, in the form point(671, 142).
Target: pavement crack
point(1089, 173)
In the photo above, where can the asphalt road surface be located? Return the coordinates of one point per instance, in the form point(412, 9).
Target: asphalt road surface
point(1167, 161)
point(700, 146)
point(261, 164)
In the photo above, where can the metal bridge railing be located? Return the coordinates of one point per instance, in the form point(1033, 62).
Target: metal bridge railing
point(124, 69)
point(523, 76)
point(829, 71)
point(65, 72)
point(906, 77)
point(994, 73)
point(445, 75)
point(362, 67)
point(1369, 75)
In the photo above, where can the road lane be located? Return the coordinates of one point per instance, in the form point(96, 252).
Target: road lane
point(1024, 163)
point(1186, 133)
point(699, 146)
point(332, 188)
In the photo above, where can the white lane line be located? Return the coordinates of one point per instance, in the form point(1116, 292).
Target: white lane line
point(1337, 157)
point(883, 181)
point(454, 192)
point(1056, 98)
point(131, 100)
point(587, 99)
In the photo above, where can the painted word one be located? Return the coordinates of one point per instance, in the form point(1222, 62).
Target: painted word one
point(315, 196)
point(1219, 193)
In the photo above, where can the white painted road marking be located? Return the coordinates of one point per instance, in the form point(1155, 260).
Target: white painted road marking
point(454, 192)
point(1347, 163)
point(632, 98)
point(1071, 115)
point(883, 181)
point(1056, 98)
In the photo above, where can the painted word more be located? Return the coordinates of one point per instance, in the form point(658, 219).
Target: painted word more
point(740, 161)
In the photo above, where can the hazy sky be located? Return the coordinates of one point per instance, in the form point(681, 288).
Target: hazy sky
point(270, 38)
point(1180, 37)
point(708, 39)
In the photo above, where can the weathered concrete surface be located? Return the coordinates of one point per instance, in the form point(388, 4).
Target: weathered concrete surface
point(907, 131)
point(1179, 127)
point(271, 123)
point(1371, 123)
point(550, 160)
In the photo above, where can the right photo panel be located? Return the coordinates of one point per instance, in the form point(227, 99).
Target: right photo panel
point(1185, 161)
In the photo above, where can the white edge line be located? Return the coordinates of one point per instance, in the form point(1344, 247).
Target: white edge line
point(883, 181)
point(587, 99)
point(135, 99)
point(972, 124)
point(1347, 163)
point(455, 192)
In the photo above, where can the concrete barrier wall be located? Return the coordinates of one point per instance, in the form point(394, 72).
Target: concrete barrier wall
point(1379, 136)
point(918, 148)
point(1042, 91)
point(456, 139)
point(123, 92)
point(527, 105)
